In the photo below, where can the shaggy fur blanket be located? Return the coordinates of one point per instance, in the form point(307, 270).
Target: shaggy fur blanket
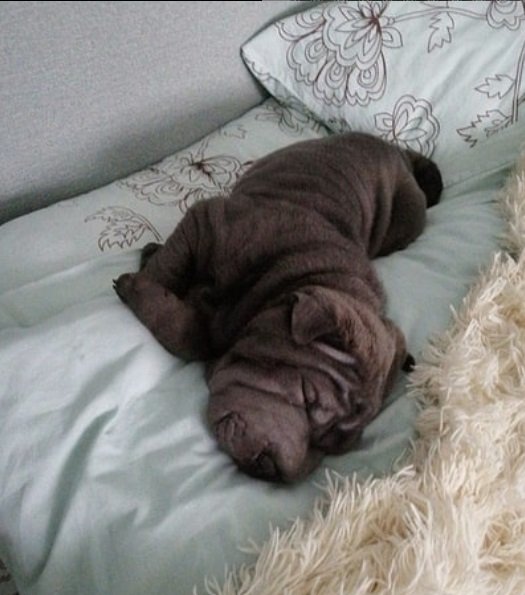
point(452, 519)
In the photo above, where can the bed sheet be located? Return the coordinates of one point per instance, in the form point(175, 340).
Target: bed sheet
point(111, 482)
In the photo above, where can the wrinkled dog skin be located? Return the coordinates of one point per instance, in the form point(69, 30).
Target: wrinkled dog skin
point(275, 288)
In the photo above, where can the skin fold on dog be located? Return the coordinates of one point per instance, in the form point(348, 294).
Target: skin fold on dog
point(274, 287)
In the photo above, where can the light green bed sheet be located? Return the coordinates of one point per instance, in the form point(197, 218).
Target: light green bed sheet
point(110, 482)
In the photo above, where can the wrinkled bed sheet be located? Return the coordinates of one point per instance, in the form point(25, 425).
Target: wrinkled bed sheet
point(110, 480)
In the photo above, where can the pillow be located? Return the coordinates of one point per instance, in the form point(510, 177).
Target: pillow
point(442, 78)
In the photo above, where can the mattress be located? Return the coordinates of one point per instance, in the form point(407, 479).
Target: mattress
point(111, 481)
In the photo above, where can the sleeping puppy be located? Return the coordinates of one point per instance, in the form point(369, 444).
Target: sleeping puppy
point(275, 289)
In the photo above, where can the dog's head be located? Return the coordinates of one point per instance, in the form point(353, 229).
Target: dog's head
point(304, 380)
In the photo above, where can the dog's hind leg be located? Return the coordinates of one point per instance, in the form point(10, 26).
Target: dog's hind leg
point(417, 189)
point(407, 217)
point(428, 176)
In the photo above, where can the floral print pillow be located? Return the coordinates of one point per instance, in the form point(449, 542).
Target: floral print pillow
point(440, 77)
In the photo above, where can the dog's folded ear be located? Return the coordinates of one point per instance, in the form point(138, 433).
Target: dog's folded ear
point(312, 316)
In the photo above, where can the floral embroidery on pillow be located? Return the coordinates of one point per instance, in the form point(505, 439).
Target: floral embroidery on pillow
point(339, 51)
point(291, 118)
point(123, 227)
point(411, 125)
point(505, 13)
point(185, 178)
point(505, 90)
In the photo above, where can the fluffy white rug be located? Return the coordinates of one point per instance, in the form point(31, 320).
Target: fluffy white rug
point(452, 520)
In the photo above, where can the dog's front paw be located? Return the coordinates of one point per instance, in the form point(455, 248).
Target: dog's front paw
point(124, 286)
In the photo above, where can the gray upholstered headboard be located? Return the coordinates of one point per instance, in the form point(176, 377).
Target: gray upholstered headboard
point(91, 91)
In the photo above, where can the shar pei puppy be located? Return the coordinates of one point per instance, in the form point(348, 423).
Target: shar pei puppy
point(274, 287)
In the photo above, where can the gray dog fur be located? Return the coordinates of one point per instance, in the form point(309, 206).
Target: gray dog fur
point(274, 287)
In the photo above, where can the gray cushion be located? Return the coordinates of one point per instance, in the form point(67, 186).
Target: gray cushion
point(92, 91)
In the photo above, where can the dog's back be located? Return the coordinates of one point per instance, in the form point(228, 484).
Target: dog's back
point(310, 213)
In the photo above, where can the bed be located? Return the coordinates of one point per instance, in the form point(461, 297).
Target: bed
point(110, 480)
